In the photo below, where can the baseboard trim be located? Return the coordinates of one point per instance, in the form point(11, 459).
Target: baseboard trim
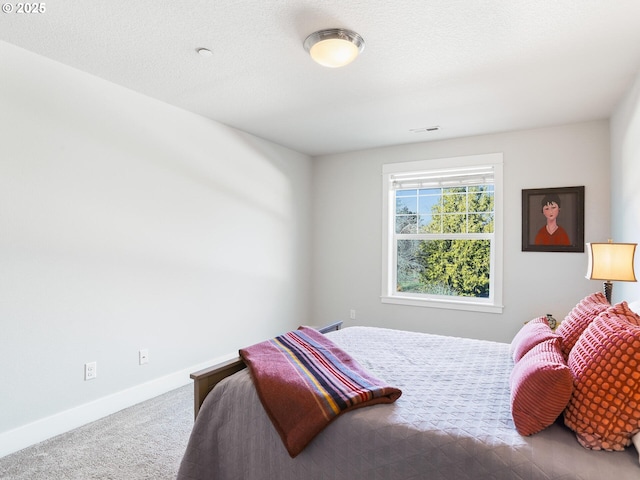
point(22, 437)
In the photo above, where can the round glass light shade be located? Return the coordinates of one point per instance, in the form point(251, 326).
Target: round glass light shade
point(334, 48)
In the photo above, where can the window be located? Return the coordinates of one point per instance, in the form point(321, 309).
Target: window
point(442, 244)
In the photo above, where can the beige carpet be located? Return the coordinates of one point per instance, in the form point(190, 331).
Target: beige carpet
point(145, 441)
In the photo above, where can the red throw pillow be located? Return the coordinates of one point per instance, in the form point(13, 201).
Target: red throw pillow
point(579, 318)
point(541, 386)
point(604, 409)
point(531, 334)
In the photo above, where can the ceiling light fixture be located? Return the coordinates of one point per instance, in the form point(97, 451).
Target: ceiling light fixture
point(334, 47)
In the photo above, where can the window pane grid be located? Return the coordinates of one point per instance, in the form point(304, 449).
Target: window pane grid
point(444, 236)
point(443, 239)
point(445, 210)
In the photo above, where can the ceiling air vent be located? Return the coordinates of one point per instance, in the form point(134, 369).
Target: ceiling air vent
point(425, 129)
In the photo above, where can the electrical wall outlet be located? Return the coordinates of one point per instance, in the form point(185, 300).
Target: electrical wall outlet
point(352, 314)
point(143, 356)
point(90, 370)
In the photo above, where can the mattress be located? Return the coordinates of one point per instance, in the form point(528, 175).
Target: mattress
point(453, 421)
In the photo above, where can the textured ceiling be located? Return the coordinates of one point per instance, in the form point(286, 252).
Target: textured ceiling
point(468, 66)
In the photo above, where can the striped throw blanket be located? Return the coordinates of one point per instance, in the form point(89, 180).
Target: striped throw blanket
point(305, 381)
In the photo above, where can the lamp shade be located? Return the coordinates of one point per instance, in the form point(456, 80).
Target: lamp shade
point(334, 47)
point(611, 261)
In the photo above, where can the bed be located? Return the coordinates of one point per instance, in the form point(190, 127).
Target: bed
point(453, 421)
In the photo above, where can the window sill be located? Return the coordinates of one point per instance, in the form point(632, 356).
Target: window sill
point(446, 304)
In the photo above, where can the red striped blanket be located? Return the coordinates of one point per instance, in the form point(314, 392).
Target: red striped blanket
point(305, 381)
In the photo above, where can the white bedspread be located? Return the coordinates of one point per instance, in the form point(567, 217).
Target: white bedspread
point(453, 421)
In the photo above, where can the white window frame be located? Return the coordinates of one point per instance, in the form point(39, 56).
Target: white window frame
point(493, 304)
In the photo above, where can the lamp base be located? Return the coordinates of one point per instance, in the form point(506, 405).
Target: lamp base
point(607, 288)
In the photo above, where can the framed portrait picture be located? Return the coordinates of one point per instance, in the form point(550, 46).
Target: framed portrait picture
point(553, 219)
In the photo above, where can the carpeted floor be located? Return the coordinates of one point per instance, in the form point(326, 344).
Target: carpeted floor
point(145, 441)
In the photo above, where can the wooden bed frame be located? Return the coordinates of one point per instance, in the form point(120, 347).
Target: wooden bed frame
point(204, 380)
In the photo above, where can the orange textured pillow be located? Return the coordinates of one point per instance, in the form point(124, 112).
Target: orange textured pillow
point(541, 386)
point(579, 318)
point(604, 409)
point(531, 334)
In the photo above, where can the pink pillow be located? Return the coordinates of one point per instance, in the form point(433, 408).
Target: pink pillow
point(541, 386)
point(579, 318)
point(604, 410)
point(531, 334)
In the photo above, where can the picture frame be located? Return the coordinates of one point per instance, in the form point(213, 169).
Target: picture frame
point(542, 234)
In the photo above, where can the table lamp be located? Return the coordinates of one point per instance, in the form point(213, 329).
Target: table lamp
point(611, 262)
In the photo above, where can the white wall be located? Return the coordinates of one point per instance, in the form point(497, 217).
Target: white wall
point(625, 182)
point(347, 230)
point(126, 223)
